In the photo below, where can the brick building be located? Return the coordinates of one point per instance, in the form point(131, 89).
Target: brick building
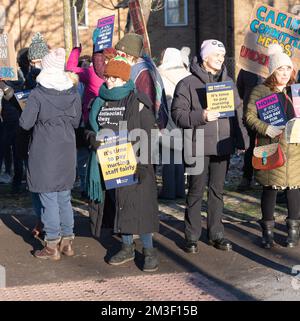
point(179, 23)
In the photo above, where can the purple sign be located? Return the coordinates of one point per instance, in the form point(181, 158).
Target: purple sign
point(105, 28)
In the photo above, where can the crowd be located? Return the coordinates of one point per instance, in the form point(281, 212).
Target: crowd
point(55, 138)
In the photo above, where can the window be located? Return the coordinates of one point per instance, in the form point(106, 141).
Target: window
point(82, 12)
point(176, 13)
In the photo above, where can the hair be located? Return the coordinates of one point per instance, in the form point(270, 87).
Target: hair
point(73, 77)
point(83, 59)
point(271, 81)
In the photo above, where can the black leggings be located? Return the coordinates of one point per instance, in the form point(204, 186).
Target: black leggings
point(268, 202)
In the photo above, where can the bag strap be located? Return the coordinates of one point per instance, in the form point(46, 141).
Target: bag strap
point(279, 137)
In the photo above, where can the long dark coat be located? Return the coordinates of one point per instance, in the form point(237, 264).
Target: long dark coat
point(53, 115)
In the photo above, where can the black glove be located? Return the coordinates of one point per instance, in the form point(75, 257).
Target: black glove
point(91, 139)
point(141, 172)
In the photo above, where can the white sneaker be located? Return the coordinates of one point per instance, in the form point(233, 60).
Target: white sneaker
point(5, 178)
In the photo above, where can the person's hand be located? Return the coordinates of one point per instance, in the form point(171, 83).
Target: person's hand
point(210, 115)
point(274, 131)
point(240, 151)
point(91, 139)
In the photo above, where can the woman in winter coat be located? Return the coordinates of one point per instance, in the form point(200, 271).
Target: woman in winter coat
point(286, 177)
point(221, 137)
point(134, 207)
point(172, 70)
point(53, 110)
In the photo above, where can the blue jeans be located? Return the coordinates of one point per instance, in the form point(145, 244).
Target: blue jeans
point(82, 160)
point(147, 240)
point(57, 214)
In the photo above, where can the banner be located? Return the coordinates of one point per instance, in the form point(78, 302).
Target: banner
point(270, 110)
point(220, 98)
point(117, 161)
point(296, 98)
point(139, 25)
point(74, 23)
point(8, 60)
point(105, 33)
point(269, 25)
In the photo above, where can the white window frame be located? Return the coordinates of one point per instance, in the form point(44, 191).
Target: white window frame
point(185, 23)
point(86, 16)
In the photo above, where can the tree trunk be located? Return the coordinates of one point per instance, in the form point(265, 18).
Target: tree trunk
point(67, 27)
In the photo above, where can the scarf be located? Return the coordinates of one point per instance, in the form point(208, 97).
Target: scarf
point(54, 79)
point(94, 182)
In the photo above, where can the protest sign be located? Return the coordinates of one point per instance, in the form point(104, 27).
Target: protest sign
point(117, 161)
point(292, 131)
point(220, 98)
point(8, 61)
point(270, 110)
point(105, 33)
point(269, 25)
point(22, 97)
point(74, 23)
point(296, 99)
point(139, 25)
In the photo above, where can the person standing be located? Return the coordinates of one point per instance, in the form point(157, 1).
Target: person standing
point(286, 177)
point(53, 110)
point(221, 137)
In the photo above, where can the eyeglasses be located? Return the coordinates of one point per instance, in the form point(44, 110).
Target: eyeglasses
point(112, 79)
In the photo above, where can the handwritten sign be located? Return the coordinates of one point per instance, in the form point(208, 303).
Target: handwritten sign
point(220, 98)
point(8, 61)
point(269, 25)
point(105, 31)
point(117, 161)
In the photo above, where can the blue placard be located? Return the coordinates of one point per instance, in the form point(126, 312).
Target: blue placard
point(105, 32)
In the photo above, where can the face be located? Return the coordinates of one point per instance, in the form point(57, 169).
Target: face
point(114, 82)
point(283, 75)
point(36, 63)
point(215, 60)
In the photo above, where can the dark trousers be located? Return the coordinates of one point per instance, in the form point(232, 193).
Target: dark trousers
point(8, 141)
point(248, 168)
point(268, 203)
point(215, 168)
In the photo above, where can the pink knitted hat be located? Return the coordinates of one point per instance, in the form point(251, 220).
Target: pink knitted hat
point(55, 59)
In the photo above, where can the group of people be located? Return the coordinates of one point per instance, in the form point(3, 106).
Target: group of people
point(68, 98)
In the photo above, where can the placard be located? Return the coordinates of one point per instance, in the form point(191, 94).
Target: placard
point(105, 31)
point(8, 61)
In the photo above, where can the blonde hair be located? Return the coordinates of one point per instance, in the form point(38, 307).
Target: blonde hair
point(73, 77)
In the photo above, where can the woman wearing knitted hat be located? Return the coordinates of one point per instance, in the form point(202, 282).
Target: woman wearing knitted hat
point(53, 110)
point(221, 137)
point(134, 208)
point(287, 177)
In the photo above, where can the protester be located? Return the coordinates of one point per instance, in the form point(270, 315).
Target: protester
point(145, 75)
point(172, 70)
point(53, 110)
point(128, 209)
point(286, 177)
point(221, 137)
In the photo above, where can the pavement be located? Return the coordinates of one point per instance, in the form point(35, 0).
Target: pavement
point(248, 272)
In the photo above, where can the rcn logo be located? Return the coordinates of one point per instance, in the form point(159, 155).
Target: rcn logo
point(120, 181)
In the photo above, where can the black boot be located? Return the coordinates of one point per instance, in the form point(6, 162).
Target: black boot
point(151, 260)
point(267, 233)
point(293, 232)
point(126, 254)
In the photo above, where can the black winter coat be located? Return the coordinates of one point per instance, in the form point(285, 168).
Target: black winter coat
point(134, 209)
point(221, 137)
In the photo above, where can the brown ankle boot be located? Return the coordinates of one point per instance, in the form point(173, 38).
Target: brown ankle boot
point(50, 251)
point(65, 246)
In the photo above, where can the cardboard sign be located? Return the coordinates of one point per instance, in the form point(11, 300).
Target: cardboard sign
point(269, 25)
point(139, 25)
point(74, 23)
point(117, 161)
point(22, 97)
point(105, 28)
point(296, 99)
point(8, 60)
point(220, 98)
point(292, 131)
point(270, 110)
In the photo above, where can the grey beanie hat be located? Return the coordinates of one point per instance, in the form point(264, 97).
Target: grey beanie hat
point(132, 44)
point(38, 48)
